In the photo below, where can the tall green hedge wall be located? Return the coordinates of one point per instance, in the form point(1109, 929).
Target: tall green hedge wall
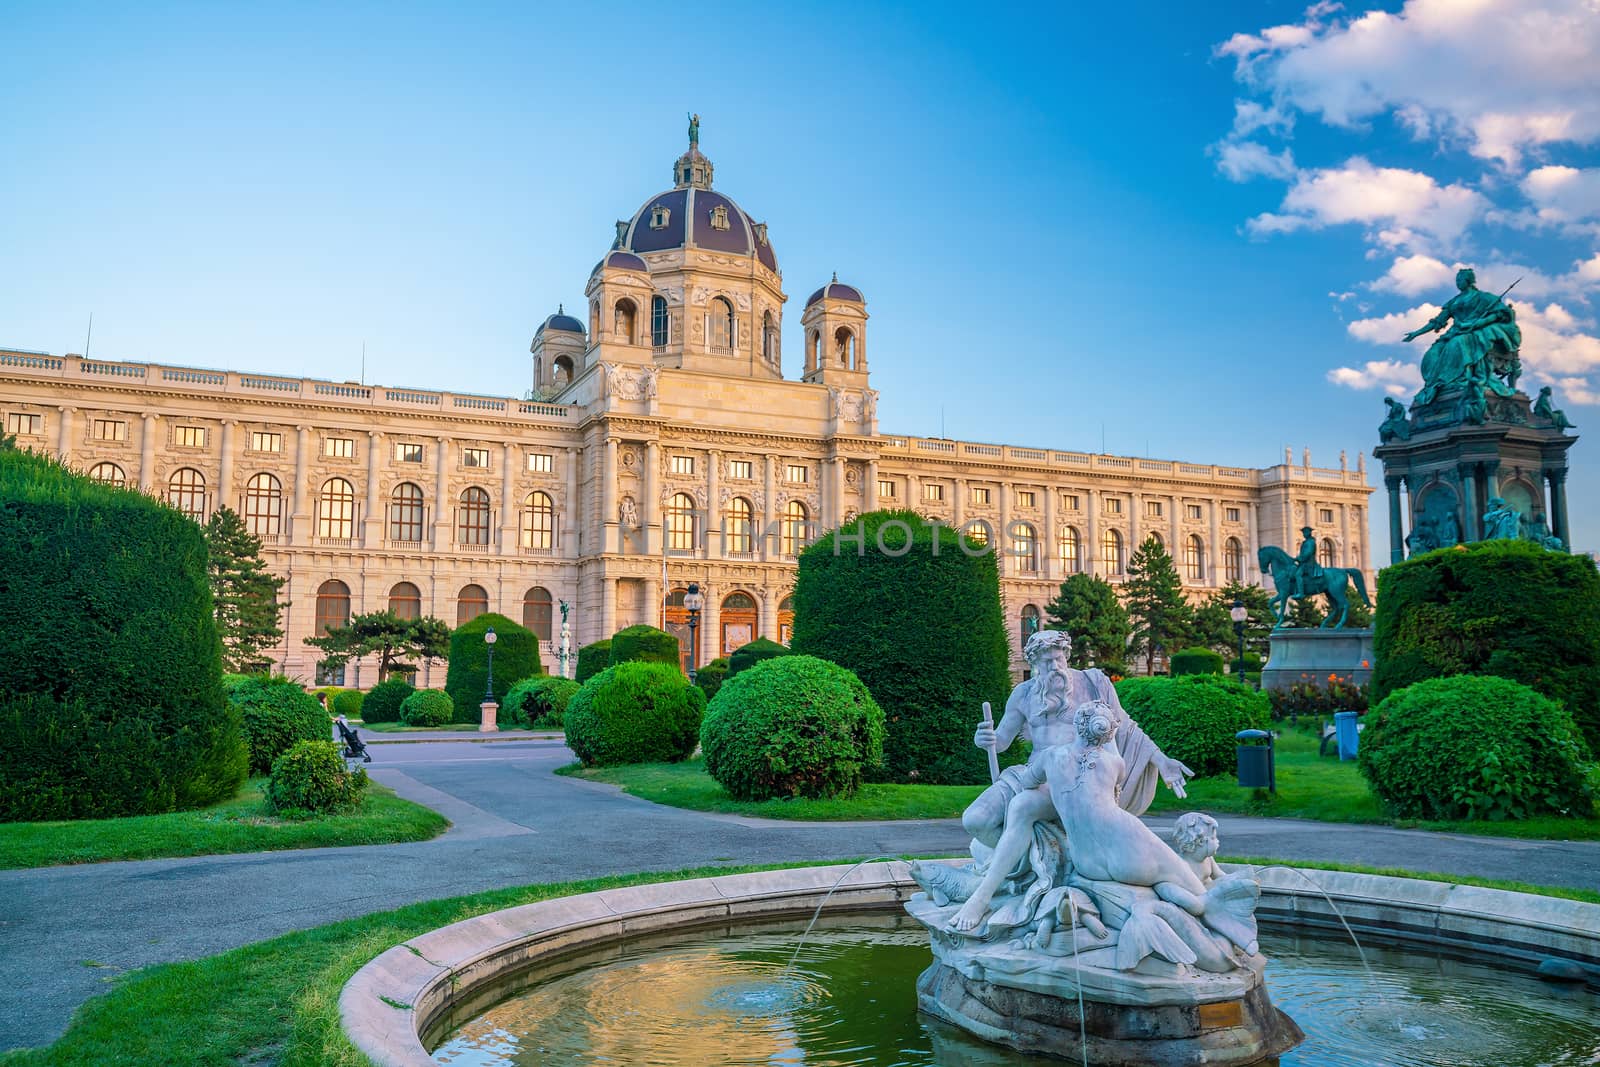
point(110, 666)
point(592, 659)
point(516, 656)
point(1507, 608)
point(644, 644)
point(919, 621)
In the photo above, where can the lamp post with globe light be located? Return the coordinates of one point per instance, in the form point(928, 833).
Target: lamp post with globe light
point(1238, 614)
point(489, 706)
point(692, 603)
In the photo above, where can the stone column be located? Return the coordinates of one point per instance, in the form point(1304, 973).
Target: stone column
point(913, 491)
point(608, 607)
point(653, 536)
point(1469, 492)
point(372, 524)
point(1091, 550)
point(225, 468)
point(1344, 535)
point(608, 519)
point(299, 521)
point(442, 509)
point(710, 626)
point(1397, 534)
point(1558, 505)
point(958, 505)
point(1051, 564)
point(1004, 560)
point(837, 518)
point(1135, 509)
point(1252, 563)
point(713, 506)
point(147, 453)
point(1176, 540)
point(571, 514)
point(510, 506)
point(653, 598)
point(869, 492)
point(768, 549)
point(64, 441)
point(1214, 564)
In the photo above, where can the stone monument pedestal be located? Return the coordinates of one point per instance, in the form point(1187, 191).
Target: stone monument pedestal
point(1310, 655)
point(488, 710)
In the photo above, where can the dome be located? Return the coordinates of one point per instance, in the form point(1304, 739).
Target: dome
point(692, 215)
point(560, 321)
point(621, 261)
point(837, 290)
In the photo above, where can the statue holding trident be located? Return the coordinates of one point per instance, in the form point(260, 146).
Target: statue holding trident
point(1480, 347)
point(694, 131)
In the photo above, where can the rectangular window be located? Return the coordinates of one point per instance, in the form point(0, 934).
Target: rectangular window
point(796, 472)
point(339, 447)
point(265, 442)
point(22, 422)
point(1232, 514)
point(886, 489)
point(1327, 515)
point(110, 430)
point(740, 468)
point(682, 464)
point(407, 452)
point(932, 491)
point(1195, 511)
point(189, 436)
point(541, 462)
point(1113, 505)
point(1024, 498)
point(1152, 509)
point(475, 457)
point(980, 494)
point(1070, 501)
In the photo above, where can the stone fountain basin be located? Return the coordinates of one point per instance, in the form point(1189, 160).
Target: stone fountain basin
point(390, 1004)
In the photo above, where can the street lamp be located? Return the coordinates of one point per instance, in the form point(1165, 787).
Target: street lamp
point(692, 603)
point(1238, 613)
point(488, 685)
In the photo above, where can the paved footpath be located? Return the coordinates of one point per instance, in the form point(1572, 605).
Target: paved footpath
point(65, 930)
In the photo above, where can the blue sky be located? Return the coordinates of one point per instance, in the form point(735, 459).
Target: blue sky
point(1181, 230)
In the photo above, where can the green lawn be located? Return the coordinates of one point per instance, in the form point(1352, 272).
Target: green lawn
point(278, 1001)
point(237, 825)
point(1309, 787)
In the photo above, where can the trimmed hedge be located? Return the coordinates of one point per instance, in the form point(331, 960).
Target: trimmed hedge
point(516, 656)
point(348, 703)
point(111, 696)
point(1193, 718)
point(1506, 608)
point(277, 713)
point(382, 703)
point(792, 726)
point(748, 655)
point(1195, 661)
point(427, 707)
point(919, 621)
point(1475, 747)
point(710, 677)
point(644, 644)
point(312, 779)
point(635, 713)
point(592, 659)
point(538, 702)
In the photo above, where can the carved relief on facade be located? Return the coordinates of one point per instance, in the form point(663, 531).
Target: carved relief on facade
point(633, 383)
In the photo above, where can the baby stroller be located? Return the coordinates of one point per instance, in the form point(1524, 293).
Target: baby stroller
point(354, 747)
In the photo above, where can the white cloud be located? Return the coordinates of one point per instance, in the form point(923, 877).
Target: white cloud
point(1563, 195)
point(1505, 76)
point(1393, 376)
point(1388, 329)
point(1556, 344)
point(1411, 275)
point(1242, 160)
point(1406, 208)
point(1250, 116)
point(1414, 275)
point(1577, 391)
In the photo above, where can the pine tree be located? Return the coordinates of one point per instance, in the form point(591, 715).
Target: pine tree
point(1307, 612)
point(1213, 621)
point(244, 593)
point(1162, 618)
point(1088, 609)
point(396, 641)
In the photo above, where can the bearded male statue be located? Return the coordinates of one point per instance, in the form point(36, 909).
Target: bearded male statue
point(1041, 710)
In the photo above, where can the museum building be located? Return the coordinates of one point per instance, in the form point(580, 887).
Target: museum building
point(660, 445)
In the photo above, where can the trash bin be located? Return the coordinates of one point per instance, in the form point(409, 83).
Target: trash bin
point(1256, 769)
point(1347, 732)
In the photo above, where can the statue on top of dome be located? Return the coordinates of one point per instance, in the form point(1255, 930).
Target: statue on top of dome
point(694, 131)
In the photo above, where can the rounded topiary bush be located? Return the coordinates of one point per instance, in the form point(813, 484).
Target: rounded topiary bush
point(312, 779)
point(644, 644)
point(635, 713)
point(348, 702)
point(277, 713)
point(592, 659)
point(539, 703)
point(111, 697)
point(792, 726)
point(1507, 608)
point(709, 678)
point(1195, 661)
point(516, 656)
point(427, 707)
point(1474, 747)
point(914, 610)
point(1193, 719)
point(382, 704)
point(748, 655)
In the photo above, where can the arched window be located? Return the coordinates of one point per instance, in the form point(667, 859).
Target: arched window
point(678, 625)
point(769, 338)
point(1325, 554)
point(406, 513)
point(187, 492)
point(1194, 559)
point(263, 505)
point(1069, 548)
point(1025, 547)
point(816, 351)
point(660, 321)
point(333, 606)
point(1233, 560)
point(722, 326)
point(844, 347)
point(470, 603)
point(405, 600)
point(680, 523)
point(622, 321)
point(738, 527)
point(1111, 552)
point(738, 621)
point(563, 371)
point(472, 517)
point(785, 620)
point(336, 510)
point(792, 530)
point(1030, 622)
point(536, 611)
point(108, 474)
point(538, 522)
point(1161, 542)
point(977, 530)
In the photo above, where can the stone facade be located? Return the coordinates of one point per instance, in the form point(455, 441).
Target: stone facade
point(662, 446)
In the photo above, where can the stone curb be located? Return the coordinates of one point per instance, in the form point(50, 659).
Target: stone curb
point(375, 738)
point(402, 993)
